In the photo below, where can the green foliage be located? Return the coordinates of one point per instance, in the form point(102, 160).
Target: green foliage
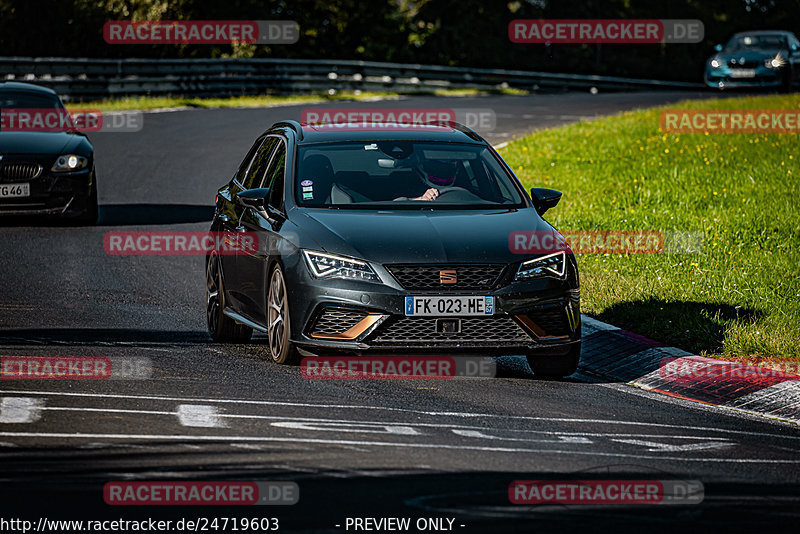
point(448, 32)
point(739, 297)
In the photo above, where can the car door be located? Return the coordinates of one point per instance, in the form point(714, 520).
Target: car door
point(266, 224)
point(794, 59)
point(251, 179)
point(227, 215)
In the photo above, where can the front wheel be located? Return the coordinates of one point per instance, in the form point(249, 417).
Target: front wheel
point(278, 329)
point(787, 82)
point(89, 217)
point(555, 366)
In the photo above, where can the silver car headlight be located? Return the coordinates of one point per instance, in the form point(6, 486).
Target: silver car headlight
point(322, 265)
point(550, 265)
point(69, 163)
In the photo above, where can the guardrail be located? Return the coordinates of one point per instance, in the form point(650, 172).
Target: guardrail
point(81, 79)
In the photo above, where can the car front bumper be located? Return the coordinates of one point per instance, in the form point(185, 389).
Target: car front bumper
point(335, 315)
point(764, 78)
point(51, 194)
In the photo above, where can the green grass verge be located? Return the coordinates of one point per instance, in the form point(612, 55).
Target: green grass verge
point(480, 92)
point(145, 103)
point(740, 297)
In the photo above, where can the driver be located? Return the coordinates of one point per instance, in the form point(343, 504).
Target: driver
point(435, 174)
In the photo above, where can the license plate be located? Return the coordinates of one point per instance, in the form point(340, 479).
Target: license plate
point(743, 73)
point(15, 190)
point(450, 306)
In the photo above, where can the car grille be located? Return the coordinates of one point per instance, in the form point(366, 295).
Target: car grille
point(426, 277)
point(334, 321)
point(19, 172)
point(553, 320)
point(422, 331)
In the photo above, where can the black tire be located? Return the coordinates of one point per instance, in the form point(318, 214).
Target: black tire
point(555, 365)
point(89, 217)
point(222, 328)
point(786, 83)
point(281, 349)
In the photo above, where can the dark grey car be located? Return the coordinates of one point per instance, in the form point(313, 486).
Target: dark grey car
point(389, 242)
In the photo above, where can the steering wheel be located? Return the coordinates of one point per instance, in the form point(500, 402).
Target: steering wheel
point(457, 194)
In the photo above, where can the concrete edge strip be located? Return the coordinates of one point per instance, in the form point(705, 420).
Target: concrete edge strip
point(776, 398)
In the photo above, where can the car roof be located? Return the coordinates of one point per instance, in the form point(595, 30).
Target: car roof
point(765, 32)
point(25, 88)
point(449, 132)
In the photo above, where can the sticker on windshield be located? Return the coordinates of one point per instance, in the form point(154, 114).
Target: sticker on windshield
point(307, 196)
point(306, 183)
point(307, 188)
point(373, 146)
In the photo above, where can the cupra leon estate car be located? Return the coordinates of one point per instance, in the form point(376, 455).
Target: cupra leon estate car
point(43, 171)
point(389, 243)
point(769, 59)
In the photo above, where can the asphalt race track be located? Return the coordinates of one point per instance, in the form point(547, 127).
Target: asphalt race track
point(445, 448)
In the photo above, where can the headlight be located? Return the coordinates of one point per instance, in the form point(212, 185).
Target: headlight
point(322, 265)
point(550, 265)
point(69, 163)
point(715, 63)
point(774, 63)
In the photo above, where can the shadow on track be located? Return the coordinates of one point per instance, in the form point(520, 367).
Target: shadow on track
point(68, 482)
point(100, 336)
point(153, 214)
point(123, 215)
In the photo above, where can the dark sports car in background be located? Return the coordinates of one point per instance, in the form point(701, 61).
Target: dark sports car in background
point(756, 59)
point(373, 241)
point(46, 166)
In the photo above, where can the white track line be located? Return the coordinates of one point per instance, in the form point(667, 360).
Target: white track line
point(455, 428)
point(402, 410)
point(201, 416)
point(183, 437)
point(20, 409)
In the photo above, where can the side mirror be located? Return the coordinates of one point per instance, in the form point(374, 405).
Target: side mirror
point(795, 48)
point(253, 198)
point(544, 199)
point(718, 47)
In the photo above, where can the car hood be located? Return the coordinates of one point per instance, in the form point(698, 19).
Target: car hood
point(411, 236)
point(38, 142)
point(749, 56)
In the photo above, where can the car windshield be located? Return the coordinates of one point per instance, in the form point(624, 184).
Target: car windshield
point(756, 42)
point(23, 100)
point(402, 174)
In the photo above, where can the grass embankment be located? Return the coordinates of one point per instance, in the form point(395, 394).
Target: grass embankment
point(739, 297)
point(145, 103)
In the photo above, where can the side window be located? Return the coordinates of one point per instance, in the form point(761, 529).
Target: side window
point(274, 179)
point(256, 171)
point(245, 165)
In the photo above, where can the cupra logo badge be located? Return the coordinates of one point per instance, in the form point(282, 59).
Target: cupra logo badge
point(448, 277)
